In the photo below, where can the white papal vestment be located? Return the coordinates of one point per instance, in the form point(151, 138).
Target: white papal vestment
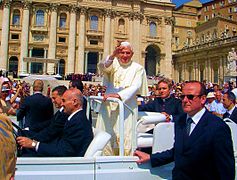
point(127, 80)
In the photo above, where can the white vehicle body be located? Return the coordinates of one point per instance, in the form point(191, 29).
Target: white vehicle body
point(93, 168)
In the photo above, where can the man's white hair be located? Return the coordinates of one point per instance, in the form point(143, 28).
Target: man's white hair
point(126, 44)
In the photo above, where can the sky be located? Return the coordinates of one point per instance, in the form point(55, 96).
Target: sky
point(180, 2)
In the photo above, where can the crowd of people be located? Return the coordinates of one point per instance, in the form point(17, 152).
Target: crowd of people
point(196, 108)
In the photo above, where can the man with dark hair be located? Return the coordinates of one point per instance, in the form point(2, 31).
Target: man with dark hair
point(164, 103)
point(229, 104)
point(203, 146)
point(77, 133)
point(37, 109)
point(76, 84)
point(58, 121)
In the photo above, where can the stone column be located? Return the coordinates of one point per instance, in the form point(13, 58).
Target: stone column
point(25, 39)
point(86, 61)
point(168, 50)
point(107, 32)
point(52, 37)
point(221, 70)
point(72, 41)
point(45, 65)
point(81, 43)
point(130, 32)
point(195, 65)
point(112, 24)
point(29, 63)
point(209, 70)
point(5, 35)
point(136, 37)
point(206, 70)
point(162, 63)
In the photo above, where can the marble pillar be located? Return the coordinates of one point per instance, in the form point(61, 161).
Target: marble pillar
point(72, 41)
point(130, 28)
point(25, 39)
point(107, 33)
point(45, 65)
point(29, 63)
point(80, 63)
point(136, 38)
point(168, 49)
point(86, 61)
point(52, 37)
point(5, 35)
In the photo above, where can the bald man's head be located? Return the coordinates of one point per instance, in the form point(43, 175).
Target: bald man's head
point(72, 100)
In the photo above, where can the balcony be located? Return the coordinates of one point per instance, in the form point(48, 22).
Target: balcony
point(35, 29)
point(121, 35)
point(94, 34)
point(62, 29)
point(16, 27)
point(153, 39)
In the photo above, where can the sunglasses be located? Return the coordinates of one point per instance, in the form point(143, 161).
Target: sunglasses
point(189, 96)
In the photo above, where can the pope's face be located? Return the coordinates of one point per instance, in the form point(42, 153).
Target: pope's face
point(125, 55)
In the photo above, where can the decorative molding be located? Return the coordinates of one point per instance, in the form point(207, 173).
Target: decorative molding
point(83, 10)
point(73, 8)
point(135, 16)
point(26, 4)
point(138, 16)
point(14, 48)
point(7, 4)
point(169, 21)
point(54, 7)
point(107, 13)
point(38, 37)
point(156, 19)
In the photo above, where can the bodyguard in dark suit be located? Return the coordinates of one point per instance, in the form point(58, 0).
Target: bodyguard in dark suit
point(59, 119)
point(203, 147)
point(165, 103)
point(229, 104)
point(77, 133)
point(79, 85)
point(37, 109)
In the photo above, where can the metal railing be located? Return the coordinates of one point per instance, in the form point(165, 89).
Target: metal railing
point(122, 107)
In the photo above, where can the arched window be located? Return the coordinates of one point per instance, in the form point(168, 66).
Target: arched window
point(40, 18)
point(16, 17)
point(63, 20)
point(121, 25)
point(94, 23)
point(153, 31)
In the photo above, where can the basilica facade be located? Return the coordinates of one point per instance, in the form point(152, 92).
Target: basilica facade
point(64, 37)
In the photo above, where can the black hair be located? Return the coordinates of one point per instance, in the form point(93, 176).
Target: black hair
point(60, 89)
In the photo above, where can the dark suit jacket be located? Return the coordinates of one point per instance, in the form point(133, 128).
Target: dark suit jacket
point(37, 110)
point(55, 129)
point(233, 116)
point(204, 155)
point(77, 136)
point(172, 106)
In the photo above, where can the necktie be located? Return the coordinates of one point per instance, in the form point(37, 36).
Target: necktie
point(188, 125)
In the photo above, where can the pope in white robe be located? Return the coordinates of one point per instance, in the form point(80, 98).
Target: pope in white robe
point(124, 79)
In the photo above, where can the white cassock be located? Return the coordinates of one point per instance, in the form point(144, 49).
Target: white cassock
point(127, 81)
